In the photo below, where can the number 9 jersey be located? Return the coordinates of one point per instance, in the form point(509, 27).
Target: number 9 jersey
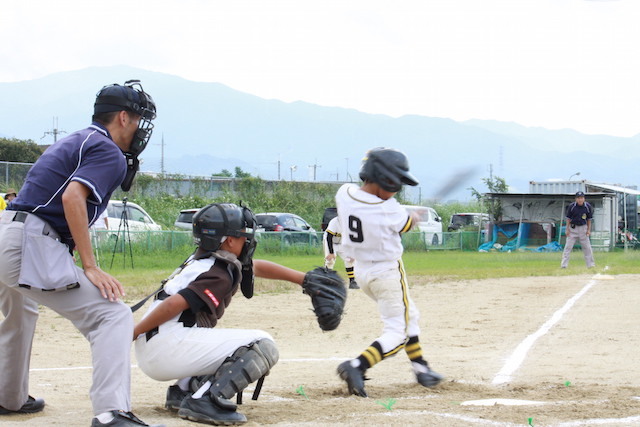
point(370, 226)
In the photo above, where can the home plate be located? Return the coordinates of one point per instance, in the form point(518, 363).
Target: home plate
point(506, 402)
point(603, 277)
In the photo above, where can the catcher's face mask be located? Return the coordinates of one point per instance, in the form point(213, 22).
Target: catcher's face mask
point(249, 232)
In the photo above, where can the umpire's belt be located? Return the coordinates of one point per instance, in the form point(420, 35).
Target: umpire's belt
point(23, 217)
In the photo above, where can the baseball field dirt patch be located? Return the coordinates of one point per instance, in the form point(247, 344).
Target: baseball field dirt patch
point(540, 351)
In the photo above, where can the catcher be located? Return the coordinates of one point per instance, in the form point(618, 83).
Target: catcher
point(177, 338)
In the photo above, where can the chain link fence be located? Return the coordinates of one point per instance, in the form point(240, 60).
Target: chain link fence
point(13, 173)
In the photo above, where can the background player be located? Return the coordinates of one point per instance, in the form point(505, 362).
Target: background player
point(371, 221)
point(579, 216)
point(331, 244)
point(177, 338)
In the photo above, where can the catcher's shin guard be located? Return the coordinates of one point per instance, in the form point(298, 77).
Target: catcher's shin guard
point(246, 365)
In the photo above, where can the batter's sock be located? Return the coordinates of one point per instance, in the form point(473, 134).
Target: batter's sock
point(350, 274)
point(414, 351)
point(371, 356)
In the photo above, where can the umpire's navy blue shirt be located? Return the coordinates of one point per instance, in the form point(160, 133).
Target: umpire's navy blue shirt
point(88, 156)
point(579, 215)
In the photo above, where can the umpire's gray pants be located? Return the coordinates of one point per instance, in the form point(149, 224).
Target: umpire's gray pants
point(107, 326)
point(579, 233)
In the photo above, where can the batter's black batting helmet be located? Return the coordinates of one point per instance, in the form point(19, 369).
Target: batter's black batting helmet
point(130, 97)
point(215, 221)
point(387, 167)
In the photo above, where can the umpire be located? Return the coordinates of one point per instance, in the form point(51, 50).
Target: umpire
point(65, 191)
point(579, 216)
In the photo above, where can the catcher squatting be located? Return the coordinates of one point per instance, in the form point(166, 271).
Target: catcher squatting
point(180, 324)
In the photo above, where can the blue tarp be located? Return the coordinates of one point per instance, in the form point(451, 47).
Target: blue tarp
point(521, 230)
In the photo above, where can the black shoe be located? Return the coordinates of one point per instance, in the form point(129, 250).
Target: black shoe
point(32, 406)
point(354, 378)
point(123, 419)
point(205, 410)
point(429, 378)
point(353, 285)
point(175, 395)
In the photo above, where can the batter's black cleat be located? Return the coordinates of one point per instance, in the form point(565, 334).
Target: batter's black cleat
point(206, 410)
point(354, 378)
point(429, 378)
point(175, 395)
point(353, 285)
point(32, 406)
point(123, 419)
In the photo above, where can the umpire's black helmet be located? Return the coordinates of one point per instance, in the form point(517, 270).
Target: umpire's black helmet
point(214, 221)
point(129, 97)
point(387, 167)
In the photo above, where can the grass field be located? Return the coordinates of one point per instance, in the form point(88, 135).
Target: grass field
point(437, 266)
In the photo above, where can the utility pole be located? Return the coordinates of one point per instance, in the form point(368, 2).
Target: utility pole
point(315, 166)
point(55, 131)
point(162, 155)
point(162, 171)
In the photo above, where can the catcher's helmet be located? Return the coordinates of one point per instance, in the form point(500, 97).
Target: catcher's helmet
point(214, 221)
point(387, 167)
point(130, 97)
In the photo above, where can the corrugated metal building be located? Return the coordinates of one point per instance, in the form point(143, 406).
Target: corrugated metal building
point(540, 213)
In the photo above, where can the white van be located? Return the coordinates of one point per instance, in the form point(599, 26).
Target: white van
point(430, 223)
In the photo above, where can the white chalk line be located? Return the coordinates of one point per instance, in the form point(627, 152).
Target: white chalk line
point(296, 360)
point(520, 353)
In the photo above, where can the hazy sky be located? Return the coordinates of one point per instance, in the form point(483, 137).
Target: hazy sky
point(551, 63)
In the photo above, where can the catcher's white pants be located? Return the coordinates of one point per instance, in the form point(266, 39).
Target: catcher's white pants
point(177, 351)
point(579, 233)
point(386, 283)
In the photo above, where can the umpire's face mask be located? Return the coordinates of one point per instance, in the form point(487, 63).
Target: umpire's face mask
point(133, 164)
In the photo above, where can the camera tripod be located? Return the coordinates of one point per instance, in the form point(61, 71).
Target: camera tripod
point(126, 237)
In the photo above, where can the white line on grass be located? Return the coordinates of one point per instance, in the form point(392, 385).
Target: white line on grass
point(517, 357)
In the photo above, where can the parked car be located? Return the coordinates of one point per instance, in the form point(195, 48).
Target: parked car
point(137, 218)
point(470, 221)
point(185, 219)
point(430, 223)
point(295, 229)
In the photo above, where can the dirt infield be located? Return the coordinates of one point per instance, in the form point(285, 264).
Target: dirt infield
point(566, 350)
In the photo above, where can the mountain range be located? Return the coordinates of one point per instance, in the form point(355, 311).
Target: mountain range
point(203, 128)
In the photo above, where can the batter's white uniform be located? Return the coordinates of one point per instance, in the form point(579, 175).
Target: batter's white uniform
point(177, 351)
point(333, 229)
point(370, 229)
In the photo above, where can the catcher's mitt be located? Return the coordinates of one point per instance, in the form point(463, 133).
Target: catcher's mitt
point(328, 295)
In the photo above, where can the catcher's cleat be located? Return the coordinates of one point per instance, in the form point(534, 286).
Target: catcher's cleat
point(353, 285)
point(354, 378)
point(123, 419)
point(175, 395)
point(429, 378)
point(205, 410)
point(32, 406)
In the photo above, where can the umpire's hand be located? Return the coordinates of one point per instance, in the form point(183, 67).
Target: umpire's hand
point(108, 285)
